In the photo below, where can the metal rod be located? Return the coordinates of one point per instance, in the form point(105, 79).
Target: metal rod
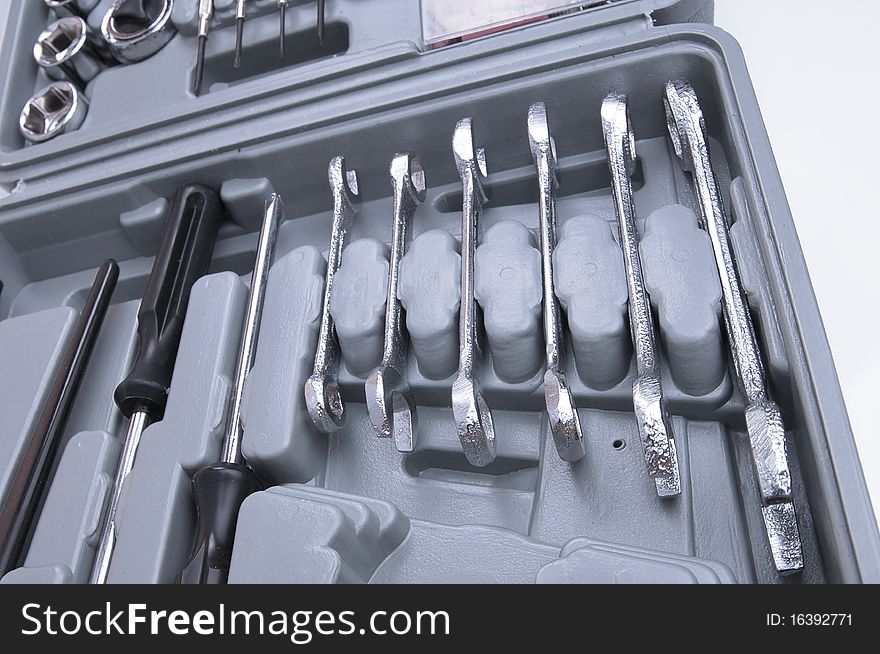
point(140, 420)
point(21, 506)
point(251, 329)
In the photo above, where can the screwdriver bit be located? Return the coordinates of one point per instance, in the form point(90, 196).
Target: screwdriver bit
point(206, 12)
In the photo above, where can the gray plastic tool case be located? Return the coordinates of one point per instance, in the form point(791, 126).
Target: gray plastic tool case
point(350, 508)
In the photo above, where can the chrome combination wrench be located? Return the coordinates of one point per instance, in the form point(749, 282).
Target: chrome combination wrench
point(766, 432)
point(323, 398)
point(473, 417)
point(654, 427)
point(561, 410)
point(389, 399)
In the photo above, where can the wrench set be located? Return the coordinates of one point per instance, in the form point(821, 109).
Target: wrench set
point(549, 322)
point(390, 400)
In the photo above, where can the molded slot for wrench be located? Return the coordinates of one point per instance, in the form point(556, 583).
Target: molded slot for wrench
point(261, 58)
point(577, 174)
point(503, 472)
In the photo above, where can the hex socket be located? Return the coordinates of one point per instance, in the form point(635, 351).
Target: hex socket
point(58, 108)
point(137, 29)
point(65, 51)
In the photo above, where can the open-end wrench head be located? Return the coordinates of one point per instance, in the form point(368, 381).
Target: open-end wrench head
point(405, 423)
point(380, 387)
point(564, 422)
point(653, 426)
point(324, 403)
point(780, 521)
point(481, 163)
point(616, 123)
point(767, 435)
point(343, 180)
point(391, 407)
point(407, 173)
point(473, 418)
point(540, 142)
point(469, 159)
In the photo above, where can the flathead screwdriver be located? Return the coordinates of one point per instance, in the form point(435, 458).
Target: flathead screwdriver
point(21, 506)
point(220, 489)
point(184, 256)
point(206, 13)
point(239, 31)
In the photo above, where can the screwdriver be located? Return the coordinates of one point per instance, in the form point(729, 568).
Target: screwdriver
point(22, 503)
point(320, 24)
point(239, 32)
point(219, 489)
point(184, 255)
point(206, 12)
point(282, 16)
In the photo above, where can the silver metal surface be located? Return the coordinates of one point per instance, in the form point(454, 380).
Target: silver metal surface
point(561, 410)
point(250, 331)
point(282, 26)
point(135, 30)
point(206, 13)
point(239, 31)
point(140, 420)
point(64, 51)
point(323, 398)
point(389, 399)
point(54, 110)
point(655, 430)
point(63, 8)
point(766, 432)
point(473, 417)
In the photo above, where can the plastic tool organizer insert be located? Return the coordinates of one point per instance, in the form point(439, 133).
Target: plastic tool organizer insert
point(350, 507)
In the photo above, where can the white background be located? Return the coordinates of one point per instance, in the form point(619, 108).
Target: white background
point(814, 64)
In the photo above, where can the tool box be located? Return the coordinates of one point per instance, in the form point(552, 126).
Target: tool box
point(350, 507)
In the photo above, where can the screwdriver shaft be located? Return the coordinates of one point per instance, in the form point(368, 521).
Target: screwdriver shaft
point(282, 27)
point(219, 489)
point(239, 32)
point(251, 329)
point(320, 25)
point(139, 422)
point(18, 515)
point(200, 66)
point(206, 12)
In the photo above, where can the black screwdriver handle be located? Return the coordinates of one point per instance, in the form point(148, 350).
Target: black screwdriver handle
point(184, 256)
point(25, 496)
point(219, 490)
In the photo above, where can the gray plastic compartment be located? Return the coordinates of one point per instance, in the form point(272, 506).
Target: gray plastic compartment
point(150, 104)
point(378, 515)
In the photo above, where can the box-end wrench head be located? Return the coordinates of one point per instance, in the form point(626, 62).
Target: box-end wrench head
point(323, 397)
point(389, 398)
point(655, 431)
point(561, 410)
point(766, 432)
point(473, 418)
